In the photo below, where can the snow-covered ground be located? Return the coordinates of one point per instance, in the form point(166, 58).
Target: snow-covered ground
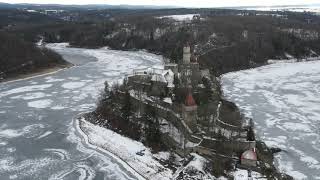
point(306, 8)
point(138, 158)
point(284, 101)
point(184, 17)
point(126, 149)
point(240, 174)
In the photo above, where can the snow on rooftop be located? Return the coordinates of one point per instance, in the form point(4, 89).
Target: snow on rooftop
point(167, 100)
point(249, 154)
point(198, 162)
point(169, 76)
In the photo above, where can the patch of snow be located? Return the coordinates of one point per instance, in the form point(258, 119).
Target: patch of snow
point(25, 167)
point(51, 79)
point(241, 174)
point(274, 61)
point(73, 85)
point(58, 107)
point(40, 104)
point(44, 134)
point(29, 96)
point(27, 131)
point(198, 162)
point(162, 155)
point(184, 17)
point(167, 100)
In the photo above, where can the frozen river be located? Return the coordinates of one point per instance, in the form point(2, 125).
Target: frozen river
point(284, 101)
point(37, 137)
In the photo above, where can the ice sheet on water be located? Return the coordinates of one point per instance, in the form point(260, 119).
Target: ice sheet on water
point(27, 131)
point(25, 89)
point(284, 101)
point(31, 95)
point(73, 85)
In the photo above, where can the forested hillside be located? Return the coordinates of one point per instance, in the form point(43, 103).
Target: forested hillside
point(225, 40)
point(19, 57)
point(18, 53)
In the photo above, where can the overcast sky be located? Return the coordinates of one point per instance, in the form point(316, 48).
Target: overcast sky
point(185, 3)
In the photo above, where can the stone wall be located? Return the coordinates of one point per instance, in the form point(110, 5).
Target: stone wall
point(231, 145)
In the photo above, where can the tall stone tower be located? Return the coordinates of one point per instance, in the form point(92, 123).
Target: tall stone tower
point(186, 54)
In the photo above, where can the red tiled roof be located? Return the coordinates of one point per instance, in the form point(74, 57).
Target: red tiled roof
point(189, 100)
point(249, 154)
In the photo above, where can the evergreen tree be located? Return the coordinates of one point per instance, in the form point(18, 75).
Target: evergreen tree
point(127, 106)
point(106, 90)
point(152, 127)
point(250, 134)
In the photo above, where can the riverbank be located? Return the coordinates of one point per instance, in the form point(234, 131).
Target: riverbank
point(135, 156)
point(37, 73)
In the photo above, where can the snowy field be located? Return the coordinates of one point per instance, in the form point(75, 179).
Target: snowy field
point(311, 8)
point(185, 17)
point(38, 139)
point(284, 101)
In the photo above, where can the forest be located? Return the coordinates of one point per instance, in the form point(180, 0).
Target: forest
point(224, 40)
point(18, 57)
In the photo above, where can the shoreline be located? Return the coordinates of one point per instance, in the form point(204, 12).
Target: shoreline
point(86, 139)
point(37, 73)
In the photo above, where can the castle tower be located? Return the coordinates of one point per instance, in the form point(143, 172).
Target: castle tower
point(189, 113)
point(186, 54)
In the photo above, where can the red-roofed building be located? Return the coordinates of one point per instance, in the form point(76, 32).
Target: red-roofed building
point(249, 158)
point(189, 113)
point(189, 100)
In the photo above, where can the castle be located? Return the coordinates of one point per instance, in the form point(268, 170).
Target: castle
point(188, 103)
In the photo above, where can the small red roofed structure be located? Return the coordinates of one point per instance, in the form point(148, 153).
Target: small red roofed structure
point(189, 100)
point(189, 112)
point(249, 157)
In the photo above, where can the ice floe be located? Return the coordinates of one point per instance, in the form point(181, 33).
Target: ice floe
point(284, 102)
point(73, 85)
point(25, 89)
point(40, 104)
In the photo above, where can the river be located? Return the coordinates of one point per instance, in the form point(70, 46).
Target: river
point(38, 139)
point(284, 101)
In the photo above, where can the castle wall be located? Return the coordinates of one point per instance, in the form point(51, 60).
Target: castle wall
point(232, 146)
